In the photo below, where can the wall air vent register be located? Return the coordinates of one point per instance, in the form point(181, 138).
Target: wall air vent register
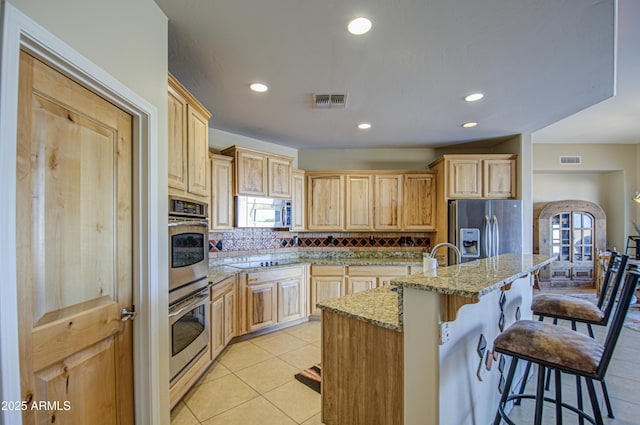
point(571, 160)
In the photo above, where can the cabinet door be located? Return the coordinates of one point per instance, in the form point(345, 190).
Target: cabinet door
point(361, 283)
point(324, 288)
point(229, 330)
point(290, 306)
point(221, 213)
point(359, 211)
point(217, 327)
point(261, 306)
point(297, 201)
point(465, 178)
point(499, 177)
point(325, 202)
point(419, 206)
point(279, 180)
point(251, 174)
point(198, 153)
point(388, 202)
point(177, 139)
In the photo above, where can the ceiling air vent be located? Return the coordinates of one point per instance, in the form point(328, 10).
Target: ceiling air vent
point(571, 160)
point(330, 101)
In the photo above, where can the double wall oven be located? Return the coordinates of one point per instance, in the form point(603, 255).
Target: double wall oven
point(188, 284)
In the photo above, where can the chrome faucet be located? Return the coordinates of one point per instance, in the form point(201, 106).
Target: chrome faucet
point(432, 254)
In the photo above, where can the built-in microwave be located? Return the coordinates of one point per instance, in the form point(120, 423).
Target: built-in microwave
point(254, 212)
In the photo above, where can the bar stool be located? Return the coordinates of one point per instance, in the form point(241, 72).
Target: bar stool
point(561, 350)
point(577, 310)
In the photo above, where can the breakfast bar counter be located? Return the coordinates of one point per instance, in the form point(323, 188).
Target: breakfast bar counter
point(420, 352)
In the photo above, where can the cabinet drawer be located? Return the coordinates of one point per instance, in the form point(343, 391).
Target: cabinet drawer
point(327, 270)
point(270, 275)
point(376, 270)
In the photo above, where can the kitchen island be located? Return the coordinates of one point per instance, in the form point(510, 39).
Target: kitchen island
point(422, 352)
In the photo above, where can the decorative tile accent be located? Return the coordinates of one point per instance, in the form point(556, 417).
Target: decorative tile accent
point(501, 364)
point(489, 360)
point(482, 346)
point(501, 384)
point(503, 301)
point(518, 313)
point(501, 322)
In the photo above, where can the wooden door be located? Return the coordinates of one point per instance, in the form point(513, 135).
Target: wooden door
point(251, 174)
point(499, 178)
point(464, 178)
point(177, 140)
point(361, 283)
point(324, 288)
point(217, 326)
point(229, 315)
point(279, 177)
point(359, 194)
point(290, 299)
point(298, 204)
point(388, 202)
point(261, 306)
point(198, 152)
point(325, 202)
point(74, 251)
point(221, 215)
point(419, 207)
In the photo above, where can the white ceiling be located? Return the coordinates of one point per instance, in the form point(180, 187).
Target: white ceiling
point(537, 61)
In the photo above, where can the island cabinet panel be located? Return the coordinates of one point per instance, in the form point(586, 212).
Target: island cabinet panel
point(325, 204)
point(361, 387)
point(388, 202)
point(220, 208)
point(279, 177)
point(188, 142)
point(419, 202)
point(298, 201)
point(359, 203)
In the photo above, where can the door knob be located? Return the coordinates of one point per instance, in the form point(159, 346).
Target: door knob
point(125, 315)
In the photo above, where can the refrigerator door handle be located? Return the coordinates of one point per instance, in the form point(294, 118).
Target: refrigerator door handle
point(486, 238)
point(496, 236)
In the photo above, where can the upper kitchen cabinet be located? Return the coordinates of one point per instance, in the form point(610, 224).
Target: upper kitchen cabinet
point(298, 201)
point(359, 202)
point(325, 203)
point(220, 208)
point(419, 207)
point(188, 144)
point(388, 201)
point(260, 173)
point(491, 176)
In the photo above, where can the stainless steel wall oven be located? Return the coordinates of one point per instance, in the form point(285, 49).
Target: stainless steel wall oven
point(188, 284)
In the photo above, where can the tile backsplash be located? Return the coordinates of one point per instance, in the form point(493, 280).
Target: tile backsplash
point(239, 241)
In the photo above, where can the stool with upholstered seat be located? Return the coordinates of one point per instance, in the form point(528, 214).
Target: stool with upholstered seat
point(563, 351)
point(578, 310)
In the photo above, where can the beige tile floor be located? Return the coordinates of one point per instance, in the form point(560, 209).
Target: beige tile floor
point(252, 383)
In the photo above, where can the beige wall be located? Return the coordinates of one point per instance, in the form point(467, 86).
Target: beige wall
point(607, 177)
point(127, 39)
point(366, 159)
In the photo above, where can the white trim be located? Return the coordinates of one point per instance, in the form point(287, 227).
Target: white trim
point(19, 31)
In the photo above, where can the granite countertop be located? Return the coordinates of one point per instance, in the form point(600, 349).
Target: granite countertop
point(476, 278)
point(383, 306)
point(378, 306)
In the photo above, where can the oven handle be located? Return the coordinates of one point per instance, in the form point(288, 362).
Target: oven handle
point(190, 302)
point(201, 223)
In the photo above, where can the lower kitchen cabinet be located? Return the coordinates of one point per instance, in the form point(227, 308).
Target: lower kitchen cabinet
point(362, 283)
point(326, 282)
point(271, 297)
point(223, 315)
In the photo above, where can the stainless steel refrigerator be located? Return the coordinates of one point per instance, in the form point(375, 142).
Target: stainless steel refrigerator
point(484, 228)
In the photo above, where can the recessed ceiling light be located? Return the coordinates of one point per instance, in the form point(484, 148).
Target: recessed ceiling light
point(473, 97)
point(259, 87)
point(469, 124)
point(364, 126)
point(359, 26)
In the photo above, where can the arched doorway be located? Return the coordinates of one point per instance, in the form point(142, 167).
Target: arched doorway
point(574, 231)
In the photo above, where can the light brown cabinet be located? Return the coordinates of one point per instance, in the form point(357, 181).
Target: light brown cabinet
point(298, 201)
point(366, 201)
point(326, 282)
point(325, 203)
point(388, 202)
point(478, 176)
point(221, 202)
point(188, 139)
point(260, 173)
point(272, 296)
point(359, 202)
point(223, 315)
